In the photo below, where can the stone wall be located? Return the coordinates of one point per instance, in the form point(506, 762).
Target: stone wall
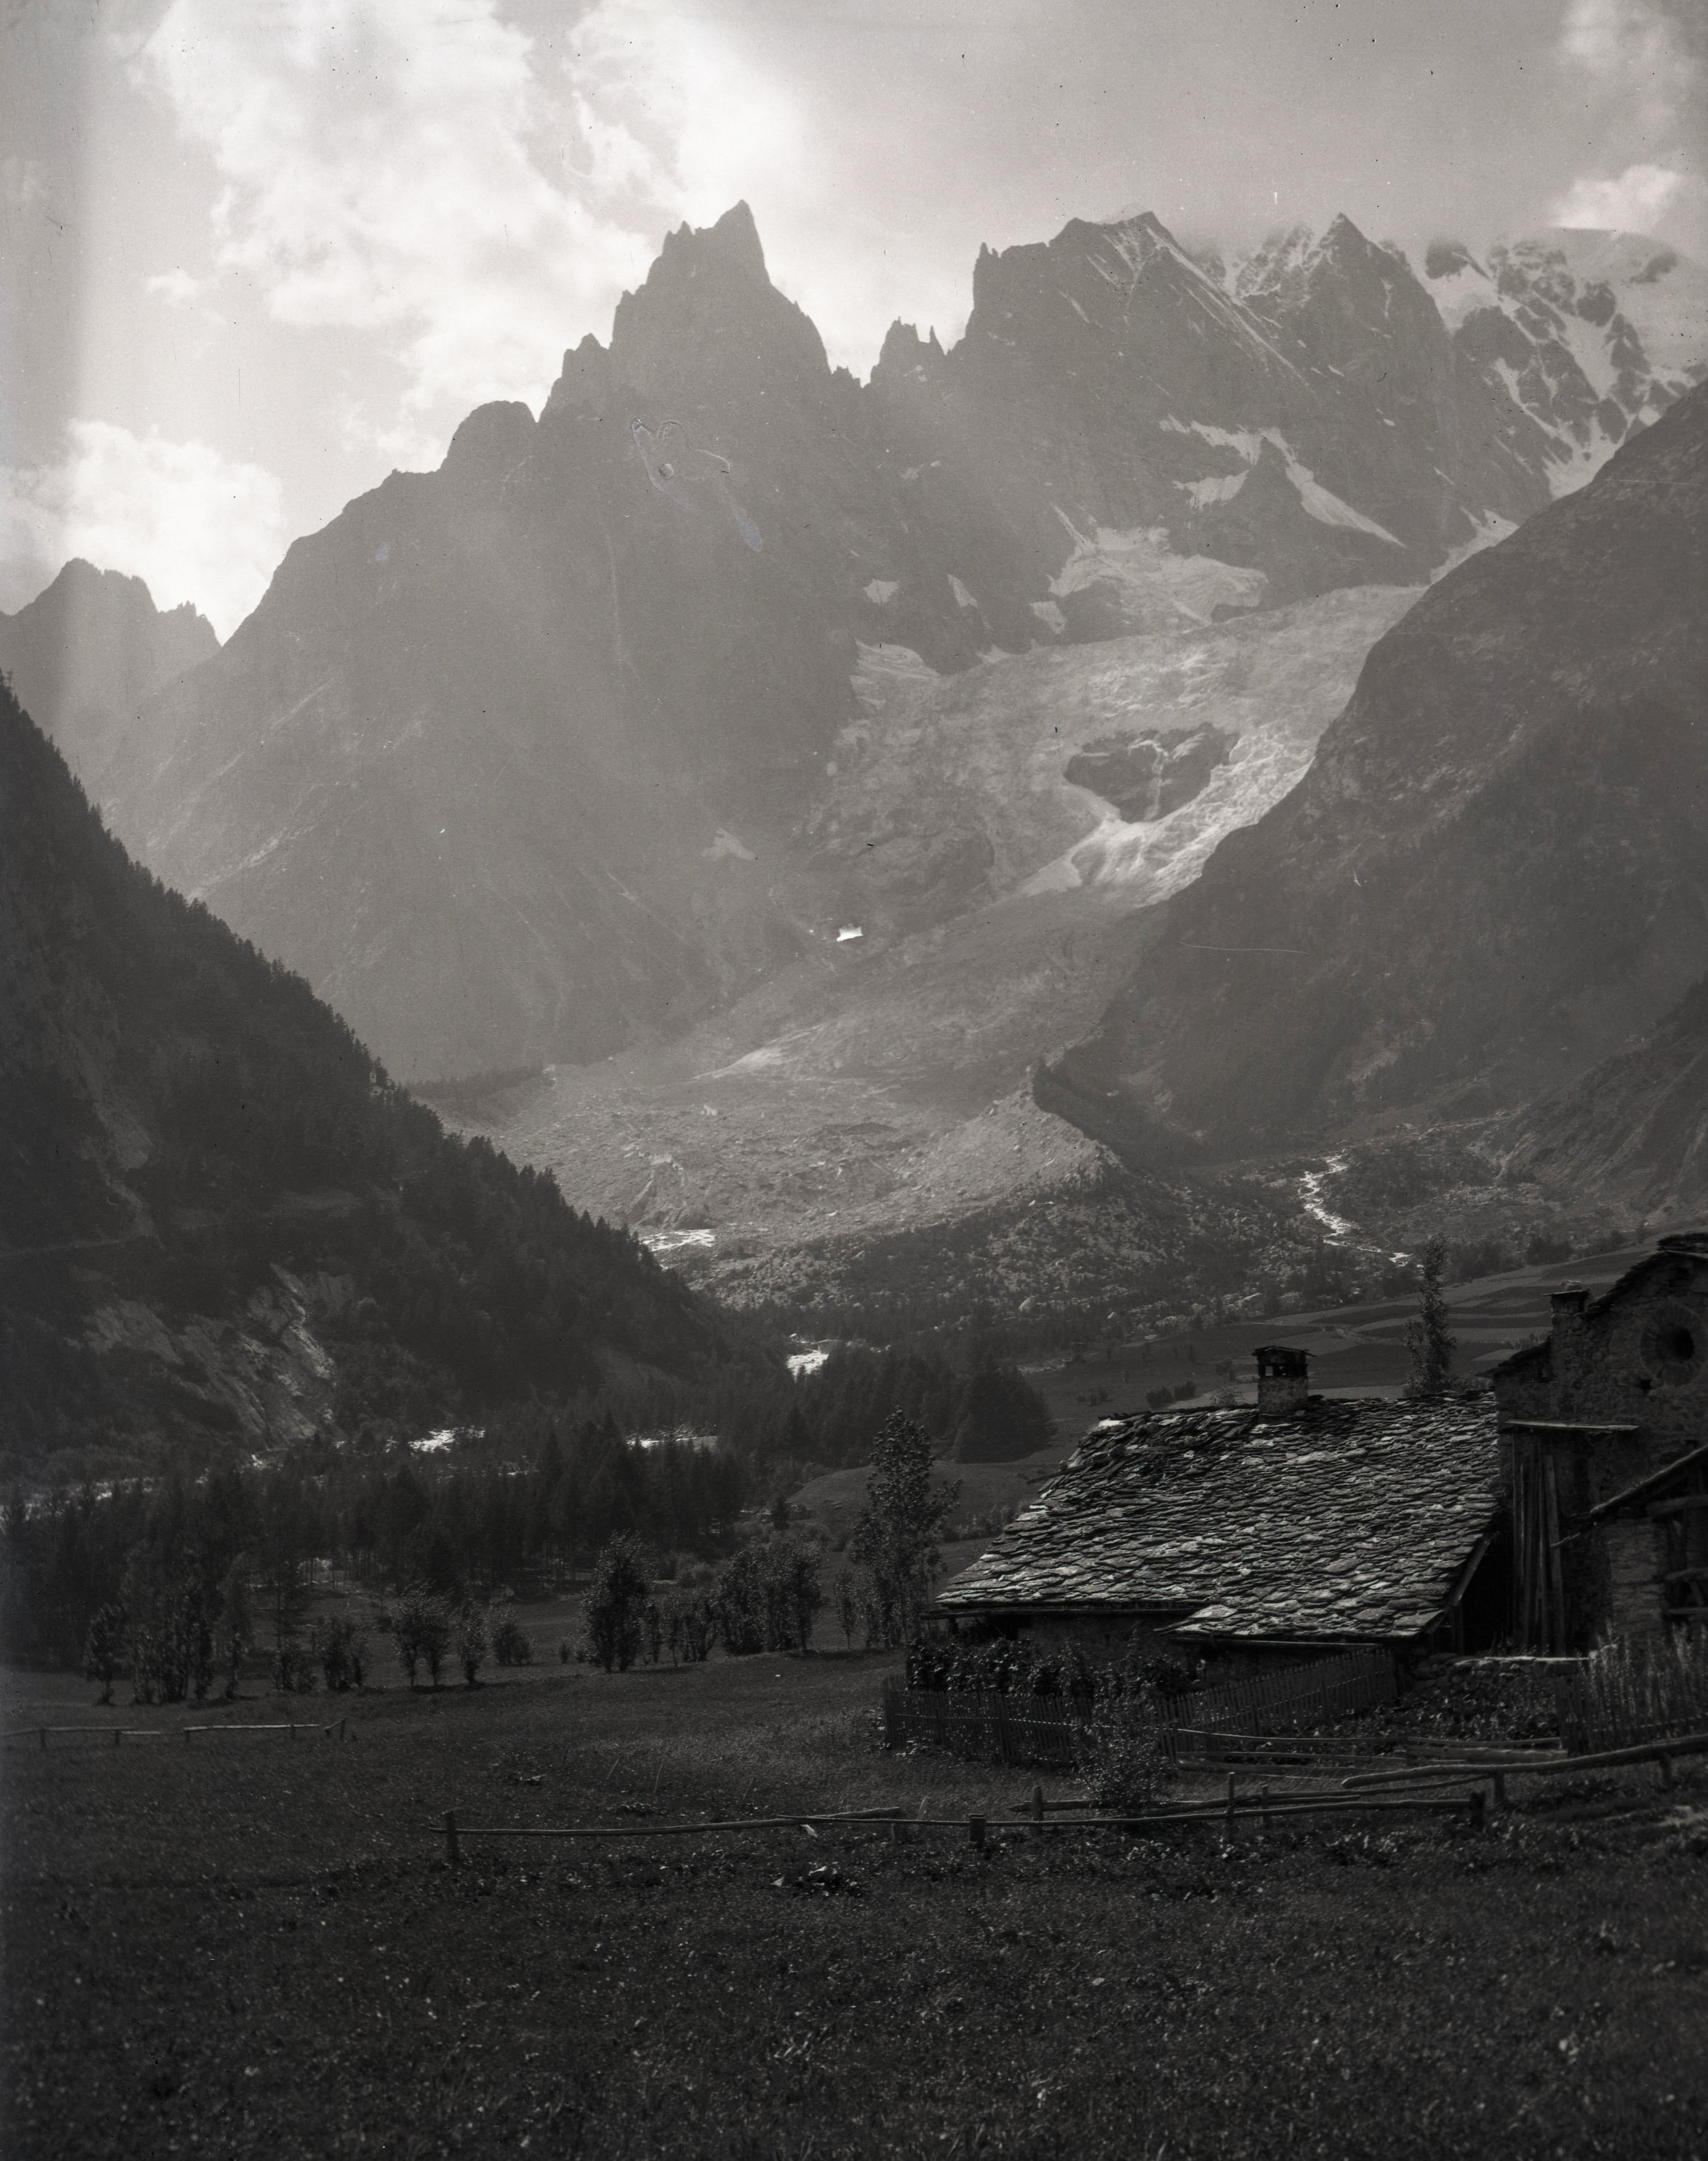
point(1636, 1358)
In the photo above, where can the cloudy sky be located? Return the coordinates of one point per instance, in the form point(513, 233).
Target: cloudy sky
point(258, 252)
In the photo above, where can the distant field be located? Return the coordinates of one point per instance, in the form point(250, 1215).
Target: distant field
point(1354, 1348)
point(241, 1947)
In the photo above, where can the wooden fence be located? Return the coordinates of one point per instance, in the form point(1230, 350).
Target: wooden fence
point(1588, 1720)
point(1048, 1729)
point(337, 1729)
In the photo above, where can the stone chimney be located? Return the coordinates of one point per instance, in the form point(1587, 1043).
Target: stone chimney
point(1565, 1331)
point(1283, 1386)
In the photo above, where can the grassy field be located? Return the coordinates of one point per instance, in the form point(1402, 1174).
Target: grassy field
point(248, 1945)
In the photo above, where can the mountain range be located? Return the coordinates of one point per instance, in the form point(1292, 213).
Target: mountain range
point(528, 760)
point(738, 741)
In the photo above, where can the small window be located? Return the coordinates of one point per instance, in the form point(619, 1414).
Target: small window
point(1673, 1345)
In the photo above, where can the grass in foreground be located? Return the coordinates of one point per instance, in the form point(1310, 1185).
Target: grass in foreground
point(240, 1947)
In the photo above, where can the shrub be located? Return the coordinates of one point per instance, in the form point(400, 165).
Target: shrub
point(473, 1640)
point(767, 1597)
point(652, 1622)
point(845, 1591)
point(690, 1625)
point(103, 1648)
point(511, 1647)
point(421, 1632)
point(294, 1667)
point(613, 1603)
point(1120, 1756)
point(339, 1646)
point(170, 1634)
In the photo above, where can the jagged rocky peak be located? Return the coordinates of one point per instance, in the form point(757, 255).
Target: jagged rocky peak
point(585, 380)
point(708, 321)
point(1120, 251)
point(89, 648)
point(906, 353)
point(731, 246)
point(1294, 268)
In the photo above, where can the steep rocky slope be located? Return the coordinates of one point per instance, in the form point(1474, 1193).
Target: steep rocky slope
point(1634, 1129)
point(222, 1224)
point(1494, 875)
point(535, 757)
point(86, 652)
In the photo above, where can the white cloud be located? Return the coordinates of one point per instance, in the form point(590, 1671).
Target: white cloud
point(194, 525)
point(416, 167)
point(176, 286)
point(1639, 200)
point(1645, 63)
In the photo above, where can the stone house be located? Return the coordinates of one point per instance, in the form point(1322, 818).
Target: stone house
point(1603, 1443)
point(1303, 1525)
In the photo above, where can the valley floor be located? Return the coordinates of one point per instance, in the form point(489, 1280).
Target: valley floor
point(247, 1945)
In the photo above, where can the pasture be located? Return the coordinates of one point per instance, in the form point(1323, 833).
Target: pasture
point(244, 1944)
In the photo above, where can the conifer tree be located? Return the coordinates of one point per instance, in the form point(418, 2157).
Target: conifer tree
point(1427, 1339)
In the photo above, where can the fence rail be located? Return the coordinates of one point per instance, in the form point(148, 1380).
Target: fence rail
point(118, 1735)
point(1049, 1729)
point(1264, 1808)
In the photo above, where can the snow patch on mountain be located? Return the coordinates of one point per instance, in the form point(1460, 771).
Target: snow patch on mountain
point(1159, 590)
point(1317, 500)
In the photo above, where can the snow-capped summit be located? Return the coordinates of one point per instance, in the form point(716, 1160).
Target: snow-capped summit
point(1589, 333)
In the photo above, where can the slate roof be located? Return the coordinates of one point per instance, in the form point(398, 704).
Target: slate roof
point(1345, 1519)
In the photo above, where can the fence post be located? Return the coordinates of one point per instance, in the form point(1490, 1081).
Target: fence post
point(1233, 1783)
point(44, 1740)
point(1038, 1812)
point(118, 1735)
point(186, 1737)
point(1500, 1789)
point(1477, 1807)
point(453, 1852)
point(1665, 1764)
point(976, 1831)
point(1264, 1797)
point(898, 1830)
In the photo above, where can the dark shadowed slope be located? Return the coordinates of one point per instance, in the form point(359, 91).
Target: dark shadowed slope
point(1496, 872)
point(220, 1221)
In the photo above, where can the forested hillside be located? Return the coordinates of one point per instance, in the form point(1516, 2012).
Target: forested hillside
point(224, 1228)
